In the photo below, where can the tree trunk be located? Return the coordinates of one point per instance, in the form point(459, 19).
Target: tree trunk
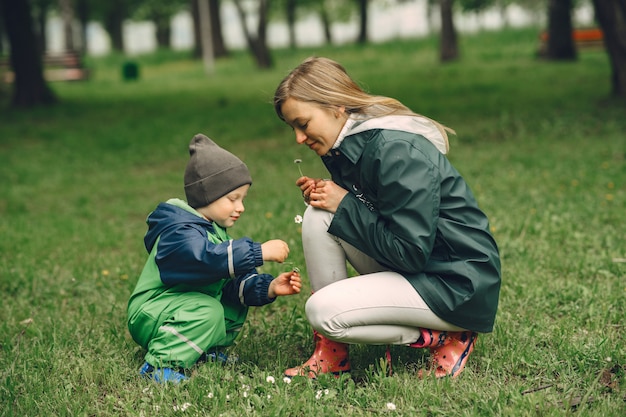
point(30, 88)
point(560, 43)
point(163, 28)
point(219, 47)
point(326, 23)
point(611, 15)
point(82, 10)
point(362, 39)
point(291, 22)
point(114, 22)
point(204, 18)
point(449, 49)
point(67, 14)
point(257, 43)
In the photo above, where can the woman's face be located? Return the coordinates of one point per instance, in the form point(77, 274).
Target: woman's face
point(315, 126)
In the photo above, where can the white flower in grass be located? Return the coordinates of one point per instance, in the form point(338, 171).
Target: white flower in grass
point(270, 379)
point(245, 394)
point(391, 406)
point(182, 407)
point(269, 396)
point(287, 380)
point(209, 395)
point(319, 394)
point(298, 219)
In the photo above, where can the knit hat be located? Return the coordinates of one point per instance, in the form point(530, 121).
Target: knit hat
point(212, 172)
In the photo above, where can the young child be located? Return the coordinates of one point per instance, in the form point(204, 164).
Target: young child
point(193, 294)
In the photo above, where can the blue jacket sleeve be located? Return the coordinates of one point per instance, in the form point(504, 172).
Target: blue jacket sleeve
point(249, 290)
point(186, 256)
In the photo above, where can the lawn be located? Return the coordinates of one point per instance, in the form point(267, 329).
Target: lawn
point(541, 144)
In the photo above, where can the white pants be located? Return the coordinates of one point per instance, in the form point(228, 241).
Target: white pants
point(377, 307)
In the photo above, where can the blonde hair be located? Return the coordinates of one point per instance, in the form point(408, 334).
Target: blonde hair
point(326, 83)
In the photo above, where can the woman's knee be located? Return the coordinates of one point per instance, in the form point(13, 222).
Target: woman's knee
point(316, 221)
point(319, 312)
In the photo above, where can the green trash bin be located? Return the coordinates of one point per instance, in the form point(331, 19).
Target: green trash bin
point(130, 71)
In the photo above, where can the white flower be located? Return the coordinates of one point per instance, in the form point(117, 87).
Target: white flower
point(270, 379)
point(245, 394)
point(319, 394)
point(182, 407)
point(391, 406)
point(298, 219)
point(210, 395)
point(287, 380)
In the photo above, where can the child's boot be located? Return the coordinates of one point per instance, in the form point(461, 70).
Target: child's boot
point(329, 357)
point(448, 355)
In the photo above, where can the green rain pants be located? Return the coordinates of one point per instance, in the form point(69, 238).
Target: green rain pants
point(177, 328)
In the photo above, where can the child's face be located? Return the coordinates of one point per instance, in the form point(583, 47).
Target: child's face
point(226, 210)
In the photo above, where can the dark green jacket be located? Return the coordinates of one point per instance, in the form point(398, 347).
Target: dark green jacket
point(411, 210)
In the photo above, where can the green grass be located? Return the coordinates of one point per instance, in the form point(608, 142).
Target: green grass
point(541, 144)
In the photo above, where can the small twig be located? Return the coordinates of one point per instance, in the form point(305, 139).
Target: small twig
point(540, 388)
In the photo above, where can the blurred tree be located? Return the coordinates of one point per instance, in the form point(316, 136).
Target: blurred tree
point(257, 42)
point(39, 10)
point(362, 38)
point(82, 12)
point(611, 15)
point(448, 44)
point(29, 88)
point(160, 13)
point(560, 43)
point(112, 14)
point(219, 47)
point(67, 15)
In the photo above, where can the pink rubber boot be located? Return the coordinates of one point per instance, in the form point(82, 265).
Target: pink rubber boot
point(448, 351)
point(329, 357)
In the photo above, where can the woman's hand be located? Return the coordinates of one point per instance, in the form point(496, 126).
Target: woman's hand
point(287, 283)
point(307, 185)
point(275, 250)
point(326, 195)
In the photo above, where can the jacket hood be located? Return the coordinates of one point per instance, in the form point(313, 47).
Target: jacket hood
point(168, 214)
point(411, 124)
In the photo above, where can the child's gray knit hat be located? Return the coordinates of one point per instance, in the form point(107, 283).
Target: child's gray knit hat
point(212, 172)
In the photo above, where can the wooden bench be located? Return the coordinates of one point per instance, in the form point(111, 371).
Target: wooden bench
point(66, 66)
point(585, 38)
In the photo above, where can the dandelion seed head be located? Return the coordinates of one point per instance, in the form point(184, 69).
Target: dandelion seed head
point(391, 406)
point(270, 379)
point(210, 395)
point(287, 380)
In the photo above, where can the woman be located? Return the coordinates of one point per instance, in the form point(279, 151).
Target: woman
point(400, 213)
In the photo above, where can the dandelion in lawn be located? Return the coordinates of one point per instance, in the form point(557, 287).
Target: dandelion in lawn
point(270, 379)
point(209, 395)
point(298, 219)
point(287, 380)
point(391, 406)
point(319, 394)
point(245, 394)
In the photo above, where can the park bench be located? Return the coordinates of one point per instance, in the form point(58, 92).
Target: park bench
point(584, 38)
point(66, 66)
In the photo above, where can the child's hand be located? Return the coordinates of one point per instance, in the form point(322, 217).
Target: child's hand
point(287, 283)
point(275, 250)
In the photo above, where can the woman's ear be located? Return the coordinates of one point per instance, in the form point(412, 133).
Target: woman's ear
point(340, 111)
